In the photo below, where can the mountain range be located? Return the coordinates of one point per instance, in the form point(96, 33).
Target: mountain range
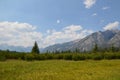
point(15, 48)
point(103, 39)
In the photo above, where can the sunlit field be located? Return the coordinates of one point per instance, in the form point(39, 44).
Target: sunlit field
point(60, 70)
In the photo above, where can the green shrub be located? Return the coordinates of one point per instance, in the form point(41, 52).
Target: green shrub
point(40, 57)
point(29, 57)
point(13, 56)
point(67, 57)
point(77, 57)
point(97, 57)
point(110, 56)
point(118, 55)
point(58, 56)
point(2, 57)
point(49, 56)
point(88, 55)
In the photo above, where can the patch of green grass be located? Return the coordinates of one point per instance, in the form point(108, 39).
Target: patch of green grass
point(60, 70)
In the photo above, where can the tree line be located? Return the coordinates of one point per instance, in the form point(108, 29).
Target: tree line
point(95, 54)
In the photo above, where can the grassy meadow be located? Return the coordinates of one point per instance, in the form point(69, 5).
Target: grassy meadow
point(60, 70)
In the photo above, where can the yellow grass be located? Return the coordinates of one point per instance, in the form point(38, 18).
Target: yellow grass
point(60, 70)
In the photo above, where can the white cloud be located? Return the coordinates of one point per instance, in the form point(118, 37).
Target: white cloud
point(68, 33)
point(111, 26)
point(24, 34)
point(89, 3)
point(73, 28)
point(18, 34)
point(58, 21)
point(94, 14)
point(105, 8)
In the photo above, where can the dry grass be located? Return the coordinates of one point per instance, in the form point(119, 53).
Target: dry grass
point(60, 70)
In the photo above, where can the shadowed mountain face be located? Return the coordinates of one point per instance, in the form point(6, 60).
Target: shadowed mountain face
point(103, 39)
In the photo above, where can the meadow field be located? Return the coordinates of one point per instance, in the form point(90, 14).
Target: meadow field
point(60, 70)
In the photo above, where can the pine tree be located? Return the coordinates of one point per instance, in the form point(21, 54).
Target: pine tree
point(77, 50)
point(35, 49)
point(95, 49)
point(112, 48)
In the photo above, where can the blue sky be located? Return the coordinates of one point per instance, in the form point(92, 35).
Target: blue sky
point(51, 17)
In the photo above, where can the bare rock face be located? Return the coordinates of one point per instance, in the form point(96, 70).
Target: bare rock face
point(102, 38)
point(115, 40)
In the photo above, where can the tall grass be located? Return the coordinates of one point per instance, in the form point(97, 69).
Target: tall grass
point(60, 70)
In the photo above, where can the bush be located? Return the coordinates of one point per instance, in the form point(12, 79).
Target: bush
point(58, 56)
point(40, 57)
point(49, 56)
point(67, 57)
point(12, 55)
point(77, 57)
point(2, 58)
point(118, 55)
point(97, 57)
point(109, 56)
point(29, 57)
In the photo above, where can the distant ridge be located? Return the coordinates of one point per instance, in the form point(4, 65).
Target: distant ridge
point(103, 39)
point(15, 48)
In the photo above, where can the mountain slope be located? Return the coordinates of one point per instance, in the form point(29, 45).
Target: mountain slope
point(102, 39)
point(15, 48)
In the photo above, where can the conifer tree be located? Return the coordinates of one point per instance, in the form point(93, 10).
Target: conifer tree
point(35, 49)
point(112, 48)
point(95, 49)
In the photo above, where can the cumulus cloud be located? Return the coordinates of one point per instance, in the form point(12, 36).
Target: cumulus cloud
point(18, 34)
point(89, 3)
point(73, 28)
point(24, 34)
point(68, 33)
point(111, 26)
